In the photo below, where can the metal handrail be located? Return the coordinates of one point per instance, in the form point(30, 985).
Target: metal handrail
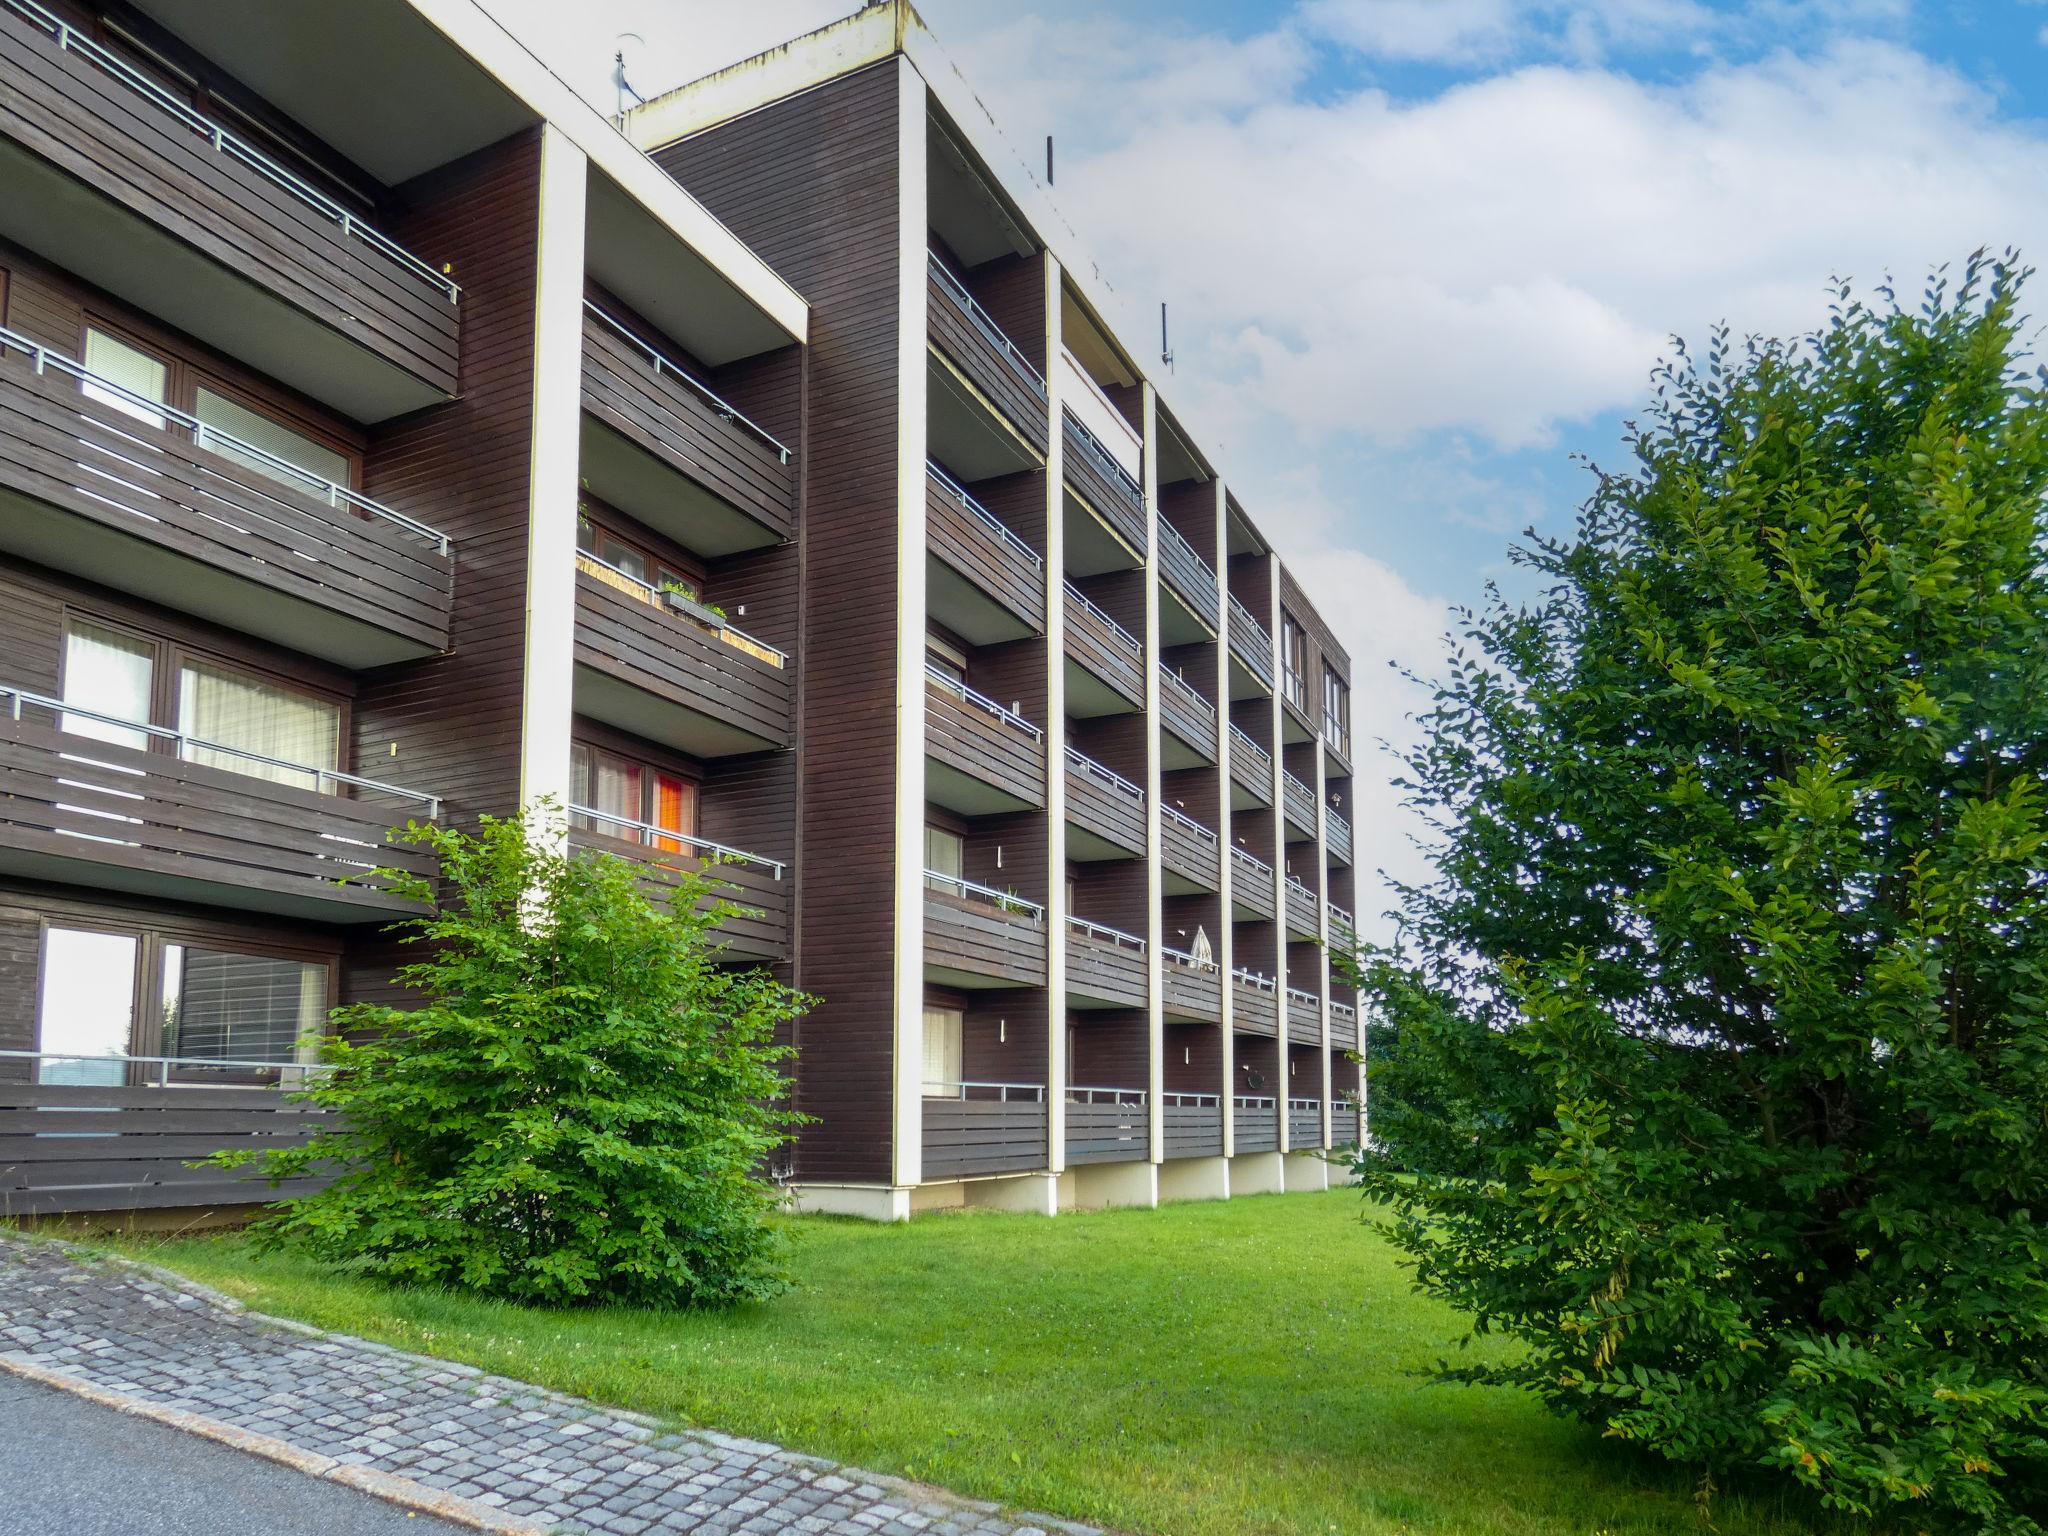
point(1188, 823)
point(20, 698)
point(1172, 535)
point(658, 597)
point(45, 359)
point(1023, 1093)
point(1190, 694)
point(985, 323)
point(1238, 610)
point(1246, 856)
point(1344, 1009)
point(663, 364)
point(1253, 1101)
point(1300, 885)
point(995, 524)
point(164, 1064)
point(1105, 459)
point(1133, 1098)
point(969, 890)
point(1336, 820)
point(1289, 781)
point(1299, 995)
point(703, 845)
point(1115, 936)
point(1173, 1099)
point(1257, 980)
point(982, 701)
point(1339, 915)
point(69, 38)
point(1117, 632)
point(1109, 776)
point(1242, 738)
point(1185, 959)
point(1315, 1104)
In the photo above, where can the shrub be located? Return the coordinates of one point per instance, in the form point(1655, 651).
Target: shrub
point(581, 1106)
point(1732, 986)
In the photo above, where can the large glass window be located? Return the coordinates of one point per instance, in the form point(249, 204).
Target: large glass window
point(222, 1007)
point(945, 855)
point(944, 1039)
point(111, 673)
point(276, 734)
point(137, 376)
point(1294, 662)
point(628, 797)
point(630, 559)
point(218, 414)
point(1336, 711)
point(85, 1014)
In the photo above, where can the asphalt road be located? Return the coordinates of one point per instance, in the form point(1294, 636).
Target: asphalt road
point(69, 1467)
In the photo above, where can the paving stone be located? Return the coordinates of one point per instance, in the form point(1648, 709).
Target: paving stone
point(508, 1444)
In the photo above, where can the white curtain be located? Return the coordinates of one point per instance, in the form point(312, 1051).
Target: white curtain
point(234, 710)
point(321, 462)
point(109, 673)
point(135, 371)
point(943, 1051)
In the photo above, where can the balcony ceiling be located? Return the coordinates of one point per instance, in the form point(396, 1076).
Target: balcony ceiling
point(966, 610)
point(966, 210)
point(1093, 548)
point(626, 476)
point(965, 432)
point(1089, 697)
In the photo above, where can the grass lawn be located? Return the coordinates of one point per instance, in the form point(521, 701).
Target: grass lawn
point(1199, 1370)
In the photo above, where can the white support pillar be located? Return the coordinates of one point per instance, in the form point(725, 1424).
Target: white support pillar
point(1323, 923)
point(1226, 939)
point(1030, 1194)
point(1279, 787)
point(1155, 884)
point(546, 703)
point(1056, 1070)
point(913, 324)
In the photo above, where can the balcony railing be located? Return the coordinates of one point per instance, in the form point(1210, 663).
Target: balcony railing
point(1192, 577)
point(995, 1093)
point(708, 619)
point(1128, 1098)
point(231, 146)
point(1251, 642)
point(996, 526)
point(1241, 742)
point(1006, 902)
point(1104, 460)
point(1258, 981)
point(1338, 832)
point(1109, 778)
point(1186, 960)
point(664, 366)
point(666, 840)
point(1305, 998)
point(1252, 864)
point(1193, 716)
point(985, 324)
point(1095, 475)
point(45, 360)
point(1300, 802)
point(1341, 919)
point(1188, 824)
point(983, 702)
point(1117, 634)
point(1116, 938)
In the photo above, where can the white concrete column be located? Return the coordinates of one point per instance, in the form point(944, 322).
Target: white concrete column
point(547, 698)
point(1279, 788)
point(1155, 884)
point(1323, 917)
point(1055, 738)
point(1226, 940)
point(911, 337)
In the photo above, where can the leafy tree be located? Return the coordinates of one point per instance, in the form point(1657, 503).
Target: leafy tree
point(578, 1110)
point(1735, 967)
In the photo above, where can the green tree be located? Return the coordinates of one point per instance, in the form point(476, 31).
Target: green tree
point(579, 1109)
point(1733, 966)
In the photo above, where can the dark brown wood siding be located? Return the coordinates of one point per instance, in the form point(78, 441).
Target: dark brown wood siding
point(978, 939)
point(960, 339)
point(965, 736)
point(1104, 971)
point(1094, 477)
point(1005, 571)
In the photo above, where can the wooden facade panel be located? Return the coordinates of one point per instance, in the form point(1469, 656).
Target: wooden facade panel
point(99, 465)
point(964, 736)
point(1106, 650)
point(1101, 482)
point(1251, 642)
point(1003, 572)
point(1108, 1132)
point(1251, 772)
point(967, 1138)
point(1255, 1128)
point(675, 423)
point(88, 125)
point(1301, 912)
point(1189, 854)
point(1304, 1127)
point(1191, 577)
point(979, 940)
point(1251, 884)
point(961, 339)
point(1254, 1010)
point(1304, 1020)
point(1300, 805)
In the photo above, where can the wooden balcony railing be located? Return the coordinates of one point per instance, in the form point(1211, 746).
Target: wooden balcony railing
point(1304, 1016)
point(977, 931)
point(972, 341)
point(1343, 1026)
point(1193, 988)
point(1094, 475)
point(1304, 1124)
point(1104, 647)
point(1191, 849)
point(1108, 1125)
point(1301, 911)
point(1104, 802)
point(972, 733)
point(983, 549)
point(1254, 1003)
point(1255, 1123)
point(757, 887)
point(106, 124)
point(976, 1129)
point(1191, 577)
point(1106, 965)
point(141, 495)
point(1192, 1124)
point(1251, 883)
point(1300, 805)
point(1190, 717)
point(1338, 832)
point(1251, 643)
point(1251, 766)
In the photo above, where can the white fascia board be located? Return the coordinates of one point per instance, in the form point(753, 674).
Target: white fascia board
point(484, 39)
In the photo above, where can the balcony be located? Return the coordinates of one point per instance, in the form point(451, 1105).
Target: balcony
point(660, 666)
point(1251, 654)
point(1251, 887)
point(1190, 721)
point(1192, 1124)
point(1105, 812)
point(1301, 912)
point(176, 818)
point(758, 887)
point(1300, 803)
point(1304, 1016)
point(1343, 1027)
point(1344, 1124)
point(1193, 988)
point(1116, 540)
point(1193, 858)
point(1304, 1124)
point(1108, 1125)
point(977, 937)
point(982, 581)
point(1255, 1123)
point(1343, 927)
point(1190, 600)
point(981, 759)
point(987, 399)
point(1105, 967)
point(661, 447)
point(1251, 772)
point(1338, 832)
point(972, 1130)
point(115, 179)
point(224, 531)
point(1105, 662)
point(1254, 1003)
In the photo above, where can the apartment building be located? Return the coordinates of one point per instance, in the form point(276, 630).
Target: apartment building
point(764, 482)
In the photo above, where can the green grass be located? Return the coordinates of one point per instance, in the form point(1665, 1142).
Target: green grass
point(1199, 1370)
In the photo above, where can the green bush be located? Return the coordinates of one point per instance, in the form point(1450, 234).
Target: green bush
point(579, 1109)
point(1732, 986)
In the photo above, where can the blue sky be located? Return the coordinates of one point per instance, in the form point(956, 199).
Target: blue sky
point(1421, 252)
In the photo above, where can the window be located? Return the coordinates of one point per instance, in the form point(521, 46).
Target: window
point(217, 414)
point(300, 735)
point(635, 802)
point(1336, 711)
point(946, 659)
point(137, 375)
point(1294, 661)
point(112, 673)
point(944, 1035)
point(945, 855)
point(207, 1004)
point(630, 558)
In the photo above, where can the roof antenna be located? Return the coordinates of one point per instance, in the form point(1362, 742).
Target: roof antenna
point(620, 87)
point(1165, 348)
point(1048, 159)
